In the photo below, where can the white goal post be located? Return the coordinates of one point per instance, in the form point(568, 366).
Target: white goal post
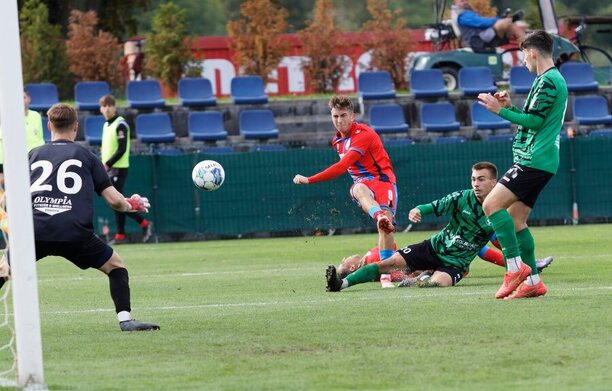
point(17, 182)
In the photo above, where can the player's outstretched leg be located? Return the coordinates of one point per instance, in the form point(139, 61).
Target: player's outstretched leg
point(134, 325)
point(334, 283)
point(543, 263)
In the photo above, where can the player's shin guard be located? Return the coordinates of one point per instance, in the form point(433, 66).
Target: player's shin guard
point(363, 274)
point(119, 282)
point(527, 246)
point(504, 229)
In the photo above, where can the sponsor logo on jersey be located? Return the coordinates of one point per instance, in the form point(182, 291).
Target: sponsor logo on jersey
point(51, 205)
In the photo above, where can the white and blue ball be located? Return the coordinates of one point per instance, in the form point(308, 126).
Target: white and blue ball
point(208, 175)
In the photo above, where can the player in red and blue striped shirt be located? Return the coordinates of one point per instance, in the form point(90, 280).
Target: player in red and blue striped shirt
point(363, 155)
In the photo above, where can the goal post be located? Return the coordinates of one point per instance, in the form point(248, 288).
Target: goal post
point(24, 282)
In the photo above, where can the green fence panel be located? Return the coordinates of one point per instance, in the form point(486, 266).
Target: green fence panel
point(259, 195)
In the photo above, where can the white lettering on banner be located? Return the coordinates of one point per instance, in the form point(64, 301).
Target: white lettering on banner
point(295, 73)
point(226, 70)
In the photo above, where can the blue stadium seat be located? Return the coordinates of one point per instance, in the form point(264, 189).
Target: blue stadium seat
point(388, 118)
point(521, 79)
point(154, 128)
point(428, 83)
point(88, 93)
point(501, 137)
point(268, 148)
point(248, 90)
point(375, 85)
point(578, 76)
point(601, 133)
point(206, 126)
point(216, 150)
point(439, 117)
point(257, 124)
point(93, 129)
point(145, 94)
point(484, 119)
point(194, 92)
point(591, 110)
point(44, 95)
point(46, 131)
point(474, 80)
point(450, 140)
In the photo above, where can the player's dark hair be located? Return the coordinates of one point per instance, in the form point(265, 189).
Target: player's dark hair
point(107, 100)
point(341, 102)
point(539, 40)
point(486, 166)
point(62, 116)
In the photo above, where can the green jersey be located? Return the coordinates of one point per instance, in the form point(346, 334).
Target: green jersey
point(536, 143)
point(466, 233)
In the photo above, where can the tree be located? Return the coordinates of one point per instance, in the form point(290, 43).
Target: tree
point(168, 47)
point(483, 7)
point(93, 56)
point(324, 66)
point(43, 53)
point(256, 38)
point(389, 40)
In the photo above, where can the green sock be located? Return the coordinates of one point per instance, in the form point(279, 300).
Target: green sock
point(527, 246)
point(504, 229)
point(363, 274)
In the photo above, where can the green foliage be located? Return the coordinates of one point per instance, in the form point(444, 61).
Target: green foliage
point(256, 37)
point(532, 15)
point(323, 44)
point(167, 47)
point(254, 314)
point(94, 55)
point(389, 40)
point(43, 53)
point(119, 16)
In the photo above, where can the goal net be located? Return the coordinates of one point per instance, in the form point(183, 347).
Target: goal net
point(8, 356)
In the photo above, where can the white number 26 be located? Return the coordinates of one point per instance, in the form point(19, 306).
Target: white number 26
point(62, 177)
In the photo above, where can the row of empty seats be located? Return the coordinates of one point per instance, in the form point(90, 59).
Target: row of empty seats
point(147, 94)
point(201, 126)
point(441, 117)
point(260, 124)
point(429, 83)
point(198, 92)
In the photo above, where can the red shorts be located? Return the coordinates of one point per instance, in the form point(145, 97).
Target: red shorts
point(385, 194)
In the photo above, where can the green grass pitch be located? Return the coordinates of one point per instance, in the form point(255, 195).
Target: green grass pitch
point(254, 315)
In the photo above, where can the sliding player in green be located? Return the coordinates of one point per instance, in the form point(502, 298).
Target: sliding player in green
point(536, 160)
point(449, 252)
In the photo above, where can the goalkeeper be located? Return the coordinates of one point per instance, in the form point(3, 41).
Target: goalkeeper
point(64, 177)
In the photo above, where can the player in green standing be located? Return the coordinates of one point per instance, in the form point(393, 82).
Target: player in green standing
point(450, 251)
point(536, 159)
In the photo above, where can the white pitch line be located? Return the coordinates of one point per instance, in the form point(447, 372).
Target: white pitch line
point(311, 302)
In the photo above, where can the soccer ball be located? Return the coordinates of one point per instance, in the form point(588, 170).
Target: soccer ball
point(208, 175)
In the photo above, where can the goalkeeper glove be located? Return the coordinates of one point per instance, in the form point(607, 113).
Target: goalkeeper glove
point(138, 203)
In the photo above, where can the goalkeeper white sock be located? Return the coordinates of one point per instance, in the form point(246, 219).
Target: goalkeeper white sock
point(124, 316)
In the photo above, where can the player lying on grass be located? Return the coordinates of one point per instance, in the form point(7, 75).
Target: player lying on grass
point(64, 177)
point(450, 251)
point(350, 264)
point(363, 156)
